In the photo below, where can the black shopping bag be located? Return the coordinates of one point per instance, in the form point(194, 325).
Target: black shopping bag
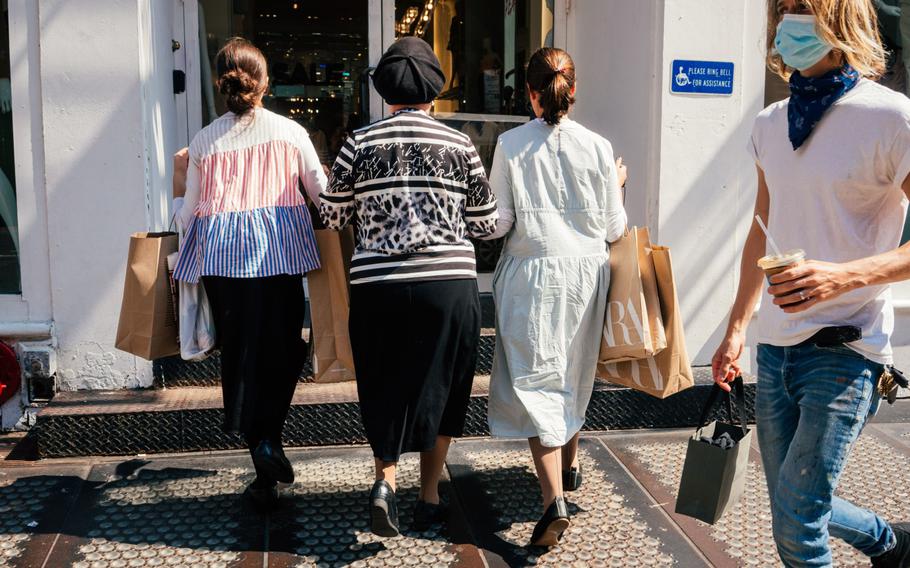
point(714, 477)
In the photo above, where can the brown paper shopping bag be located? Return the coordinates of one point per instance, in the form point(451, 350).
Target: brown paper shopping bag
point(669, 371)
point(147, 326)
point(333, 359)
point(633, 327)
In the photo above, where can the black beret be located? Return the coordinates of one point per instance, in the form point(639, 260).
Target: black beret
point(408, 73)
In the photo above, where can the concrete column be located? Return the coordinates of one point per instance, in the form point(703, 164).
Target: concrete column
point(95, 169)
point(691, 179)
point(708, 180)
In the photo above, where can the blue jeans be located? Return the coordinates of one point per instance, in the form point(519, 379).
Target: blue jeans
point(811, 406)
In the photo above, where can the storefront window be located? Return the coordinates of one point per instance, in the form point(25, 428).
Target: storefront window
point(10, 279)
point(317, 55)
point(318, 60)
point(484, 47)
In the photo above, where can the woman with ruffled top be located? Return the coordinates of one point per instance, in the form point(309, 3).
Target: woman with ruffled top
point(248, 237)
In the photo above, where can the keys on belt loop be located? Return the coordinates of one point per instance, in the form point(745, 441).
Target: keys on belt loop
point(889, 383)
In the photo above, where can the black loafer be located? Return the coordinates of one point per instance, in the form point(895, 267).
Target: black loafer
point(383, 510)
point(262, 495)
point(899, 556)
point(427, 515)
point(571, 479)
point(550, 527)
point(271, 462)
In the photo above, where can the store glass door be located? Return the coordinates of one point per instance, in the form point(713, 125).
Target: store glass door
point(484, 47)
point(318, 54)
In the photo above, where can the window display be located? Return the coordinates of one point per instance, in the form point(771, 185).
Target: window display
point(10, 280)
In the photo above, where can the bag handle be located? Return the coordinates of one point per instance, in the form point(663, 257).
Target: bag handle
point(739, 390)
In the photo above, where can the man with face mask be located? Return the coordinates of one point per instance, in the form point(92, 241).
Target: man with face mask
point(833, 164)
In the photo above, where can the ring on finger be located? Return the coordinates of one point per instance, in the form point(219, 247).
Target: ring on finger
point(802, 295)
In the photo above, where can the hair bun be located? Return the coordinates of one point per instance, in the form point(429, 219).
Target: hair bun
point(242, 77)
point(232, 82)
point(241, 90)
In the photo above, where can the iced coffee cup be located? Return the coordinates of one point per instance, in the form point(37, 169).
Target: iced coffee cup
point(775, 264)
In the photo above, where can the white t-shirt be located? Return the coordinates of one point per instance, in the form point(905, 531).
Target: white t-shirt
point(838, 198)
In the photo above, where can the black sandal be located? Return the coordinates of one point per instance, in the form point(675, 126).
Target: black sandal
point(263, 495)
point(571, 479)
point(383, 510)
point(550, 527)
point(427, 514)
point(269, 459)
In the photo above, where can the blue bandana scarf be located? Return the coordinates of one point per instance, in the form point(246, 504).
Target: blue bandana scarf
point(811, 97)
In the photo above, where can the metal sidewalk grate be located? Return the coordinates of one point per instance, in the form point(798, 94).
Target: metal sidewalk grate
point(175, 372)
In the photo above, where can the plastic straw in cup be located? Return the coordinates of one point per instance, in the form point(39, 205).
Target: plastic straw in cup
point(768, 235)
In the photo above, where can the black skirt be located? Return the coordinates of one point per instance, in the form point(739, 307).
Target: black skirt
point(415, 349)
point(258, 324)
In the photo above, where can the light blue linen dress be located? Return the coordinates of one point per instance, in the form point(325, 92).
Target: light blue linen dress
point(559, 184)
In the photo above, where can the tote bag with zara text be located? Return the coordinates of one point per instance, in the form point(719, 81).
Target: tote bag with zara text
point(633, 325)
point(669, 371)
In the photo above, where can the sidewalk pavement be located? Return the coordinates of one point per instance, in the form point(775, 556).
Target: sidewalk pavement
point(184, 510)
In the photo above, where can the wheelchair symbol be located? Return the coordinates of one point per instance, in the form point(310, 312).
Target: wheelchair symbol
point(681, 78)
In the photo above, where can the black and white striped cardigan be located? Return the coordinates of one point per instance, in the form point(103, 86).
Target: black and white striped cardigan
point(415, 190)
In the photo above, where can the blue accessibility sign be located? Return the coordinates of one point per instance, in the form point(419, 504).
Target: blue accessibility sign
point(701, 77)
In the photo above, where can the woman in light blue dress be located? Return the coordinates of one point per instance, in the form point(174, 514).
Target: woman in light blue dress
point(560, 204)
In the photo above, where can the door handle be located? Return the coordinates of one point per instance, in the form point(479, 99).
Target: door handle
point(179, 81)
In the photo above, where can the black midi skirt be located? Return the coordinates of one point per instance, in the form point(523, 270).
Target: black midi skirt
point(415, 349)
point(258, 325)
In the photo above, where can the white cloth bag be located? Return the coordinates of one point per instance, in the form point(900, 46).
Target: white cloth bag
point(196, 323)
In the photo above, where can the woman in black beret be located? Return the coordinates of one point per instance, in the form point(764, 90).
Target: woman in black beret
point(415, 191)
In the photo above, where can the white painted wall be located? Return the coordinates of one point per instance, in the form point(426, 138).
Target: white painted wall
point(707, 178)
point(616, 46)
point(96, 156)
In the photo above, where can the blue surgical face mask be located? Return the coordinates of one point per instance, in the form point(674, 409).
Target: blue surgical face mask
point(798, 43)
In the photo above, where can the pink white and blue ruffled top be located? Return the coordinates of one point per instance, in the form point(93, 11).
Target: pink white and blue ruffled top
point(244, 215)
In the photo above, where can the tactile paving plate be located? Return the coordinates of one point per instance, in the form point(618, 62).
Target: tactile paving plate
point(605, 531)
point(875, 469)
point(22, 502)
point(330, 524)
point(168, 517)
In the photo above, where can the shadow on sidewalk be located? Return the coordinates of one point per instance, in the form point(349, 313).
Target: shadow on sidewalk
point(200, 514)
point(493, 522)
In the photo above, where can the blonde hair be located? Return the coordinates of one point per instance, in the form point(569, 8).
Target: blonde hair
point(849, 26)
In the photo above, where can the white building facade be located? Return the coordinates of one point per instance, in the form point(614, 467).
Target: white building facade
point(103, 92)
